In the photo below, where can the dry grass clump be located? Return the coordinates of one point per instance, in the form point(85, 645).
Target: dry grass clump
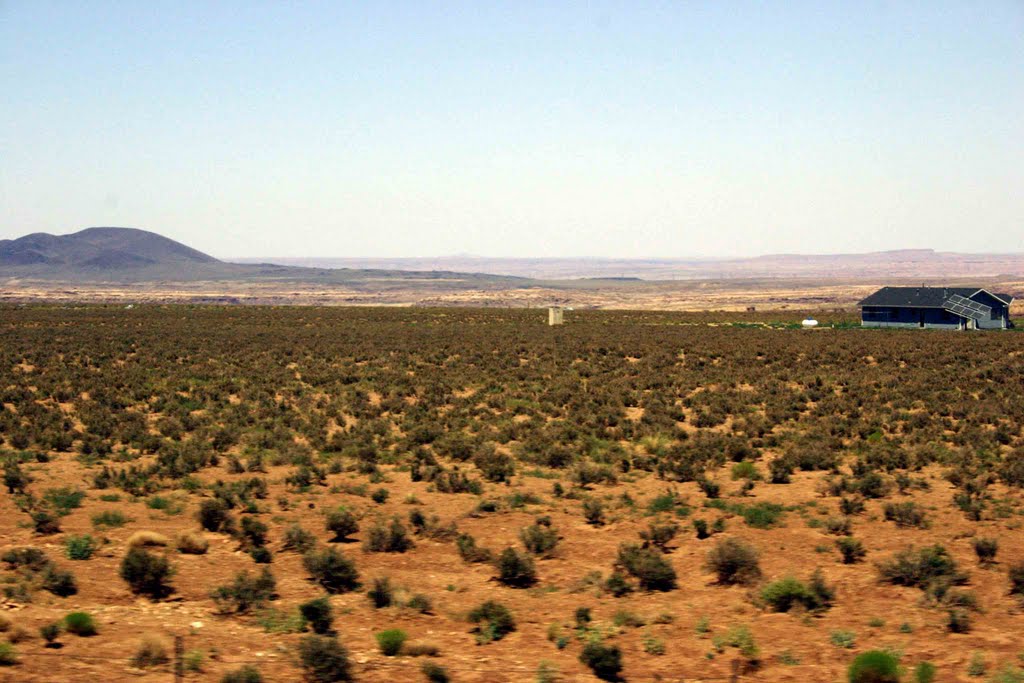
point(191, 543)
point(143, 539)
point(152, 652)
point(18, 634)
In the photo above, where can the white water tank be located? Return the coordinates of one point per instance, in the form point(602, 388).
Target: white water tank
point(809, 323)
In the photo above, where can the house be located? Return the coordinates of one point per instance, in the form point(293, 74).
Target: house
point(944, 308)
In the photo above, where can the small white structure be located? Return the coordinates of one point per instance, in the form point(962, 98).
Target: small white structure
point(809, 323)
point(555, 315)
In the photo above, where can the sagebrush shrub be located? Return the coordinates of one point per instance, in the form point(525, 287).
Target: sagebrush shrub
point(734, 561)
point(539, 539)
point(392, 538)
point(604, 660)
point(921, 568)
point(246, 592)
point(516, 569)
point(493, 621)
point(648, 566)
point(851, 549)
point(319, 614)
point(146, 573)
point(986, 549)
point(324, 659)
point(213, 514)
point(342, 523)
point(246, 674)
point(332, 570)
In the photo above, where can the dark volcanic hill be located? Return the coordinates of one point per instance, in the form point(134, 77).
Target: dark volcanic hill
point(96, 249)
point(128, 255)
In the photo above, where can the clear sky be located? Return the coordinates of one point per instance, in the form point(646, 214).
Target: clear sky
point(527, 128)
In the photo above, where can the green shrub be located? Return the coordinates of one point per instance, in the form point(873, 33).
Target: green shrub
point(958, 620)
point(604, 660)
point(921, 568)
point(8, 655)
point(58, 581)
point(342, 523)
point(434, 673)
point(745, 470)
point(986, 549)
point(324, 659)
point(146, 573)
point(786, 593)
point(734, 561)
point(31, 559)
point(493, 622)
point(253, 533)
point(80, 624)
point(80, 547)
point(843, 639)
point(298, 539)
point(247, 674)
point(924, 673)
point(213, 515)
point(469, 551)
point(1016, 574)
point(109, 519)
point(851, 550)
point(420, 603)
point(874, 666)
point(701, 527)
point(44, 522)
point(390, 641)
point(390, 539)
point(332, 570)
point(761, 515)
point(593, 511)
point(381, 594)
point(380, 496)
point(648, 566)
point(906, 514)
point(64, 500)
point(516, 569)
point(50, 632)
point(660, 535)
point(319, 614)
point(245, 593)
point(539, 539)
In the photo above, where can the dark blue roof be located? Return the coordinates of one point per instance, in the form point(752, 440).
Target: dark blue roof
point(923, 297)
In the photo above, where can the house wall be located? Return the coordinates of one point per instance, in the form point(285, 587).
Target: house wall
point(909, 318)
point(1000, 317)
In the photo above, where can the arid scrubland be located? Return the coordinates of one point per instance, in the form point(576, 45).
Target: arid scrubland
point(454, 494)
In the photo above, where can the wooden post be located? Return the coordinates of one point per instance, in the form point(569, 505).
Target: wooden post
point(179, 659)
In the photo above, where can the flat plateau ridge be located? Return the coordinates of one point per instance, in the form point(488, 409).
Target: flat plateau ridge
point(905, 263)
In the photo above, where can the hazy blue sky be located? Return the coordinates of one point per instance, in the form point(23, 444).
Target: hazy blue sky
point(517, 129)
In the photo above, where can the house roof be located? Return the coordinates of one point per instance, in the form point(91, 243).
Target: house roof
point(923, 297)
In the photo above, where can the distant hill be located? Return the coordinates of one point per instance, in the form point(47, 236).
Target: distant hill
point(96, 250)
point(129, 255)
